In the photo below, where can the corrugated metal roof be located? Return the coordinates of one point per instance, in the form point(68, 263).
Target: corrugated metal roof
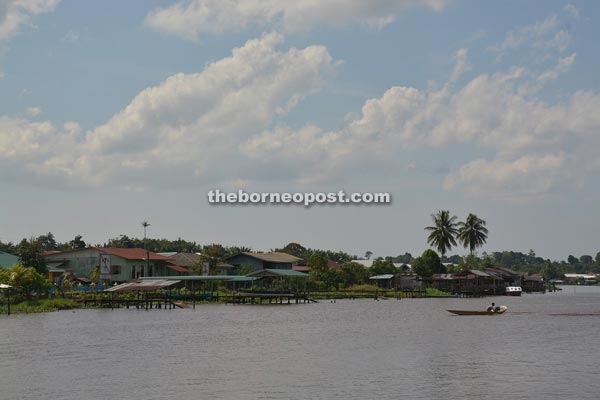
point(190, 278)
point(132, 254)
point(290, 273)
point(241, 279)
point(142, 285)
point(479, 273)
point(176, 268)
point(275, 257)
point(183, 259)
point(382, 277)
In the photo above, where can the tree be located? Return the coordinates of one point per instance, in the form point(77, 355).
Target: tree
point(77, 243)
point(405, 259)
point(235, 250)
point(123, 241)
point(31, 254)
point(443, 231)
point(28, 279)
point(470, 261)
point(426, 265)
point(585, 259)
point(212, 254)
point(48, 242)
point(368, 254)
point(245, 269)
point(320, 274)
point(95, 274)
point(381, 267)
point(552, 271)
point(572, 260)
point(472, 233)
point(486, 263)
point(295, 249)
point(353, 273)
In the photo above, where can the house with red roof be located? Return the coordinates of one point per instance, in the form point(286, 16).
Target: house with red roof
point(118, 264)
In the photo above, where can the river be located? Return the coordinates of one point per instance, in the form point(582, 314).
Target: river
point(350, 349)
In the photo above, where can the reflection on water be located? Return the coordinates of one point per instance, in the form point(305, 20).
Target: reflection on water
point(352, 349)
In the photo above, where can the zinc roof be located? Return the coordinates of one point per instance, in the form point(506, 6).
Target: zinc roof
point(142, 285)
point(132, 254)
point(274, 257)
point(290, 273)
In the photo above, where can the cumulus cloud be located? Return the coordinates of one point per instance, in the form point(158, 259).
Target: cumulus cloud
point(222, 125)
point(14, 14)
point(538, 147)
point(525, 176)
point(189, 19)
point(189, 122)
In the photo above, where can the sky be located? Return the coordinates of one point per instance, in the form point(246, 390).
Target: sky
point(113, 113)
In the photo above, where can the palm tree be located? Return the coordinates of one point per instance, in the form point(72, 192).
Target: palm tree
point(472, 233)
point(443, 232)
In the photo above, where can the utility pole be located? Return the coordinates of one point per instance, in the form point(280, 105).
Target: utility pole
point(145, 224)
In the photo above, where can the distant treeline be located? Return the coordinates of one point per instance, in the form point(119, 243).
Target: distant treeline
point(29, 249)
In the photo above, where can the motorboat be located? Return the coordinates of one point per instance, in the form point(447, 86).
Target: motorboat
point(496, 311)
point(513, 291)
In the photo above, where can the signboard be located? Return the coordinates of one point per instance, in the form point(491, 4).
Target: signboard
point(105, 266)
point(205, 268)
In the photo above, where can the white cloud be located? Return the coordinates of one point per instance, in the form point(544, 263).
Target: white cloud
point(461, 65)
point(563, 66)
point(572, 10)
point(221, 125)
point(538, 147)
point(14, 14)
point(190, 122)
point(544, 36)
point(33, 111)
point(529, 175)
point(72, 36)
point(189, 19)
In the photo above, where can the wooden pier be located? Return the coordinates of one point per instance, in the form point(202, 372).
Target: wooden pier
point(269, 298)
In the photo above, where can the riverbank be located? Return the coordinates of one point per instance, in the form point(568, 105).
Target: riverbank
point(39, 305)
point(57, 304)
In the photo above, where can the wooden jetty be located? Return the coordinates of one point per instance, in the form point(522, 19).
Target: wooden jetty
point(270, 297)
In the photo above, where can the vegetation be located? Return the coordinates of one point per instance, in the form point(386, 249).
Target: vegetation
point(31, 254)
point(472, 233)
point(27, 280)
point(298, 250)
point(442, 233)
point(427, 264)
point(41, 305)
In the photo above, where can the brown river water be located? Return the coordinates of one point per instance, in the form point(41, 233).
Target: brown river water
point(544, 347)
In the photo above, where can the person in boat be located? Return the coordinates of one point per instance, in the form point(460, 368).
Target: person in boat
point(492, 308)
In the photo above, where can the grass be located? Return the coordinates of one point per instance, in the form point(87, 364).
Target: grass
point(432, 292)
point(41, 305)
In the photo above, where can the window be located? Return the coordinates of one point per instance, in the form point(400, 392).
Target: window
point(115, 269)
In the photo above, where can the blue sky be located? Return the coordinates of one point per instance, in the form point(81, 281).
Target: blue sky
point(112, 113)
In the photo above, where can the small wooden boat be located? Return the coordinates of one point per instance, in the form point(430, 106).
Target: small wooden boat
point(499, 310)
